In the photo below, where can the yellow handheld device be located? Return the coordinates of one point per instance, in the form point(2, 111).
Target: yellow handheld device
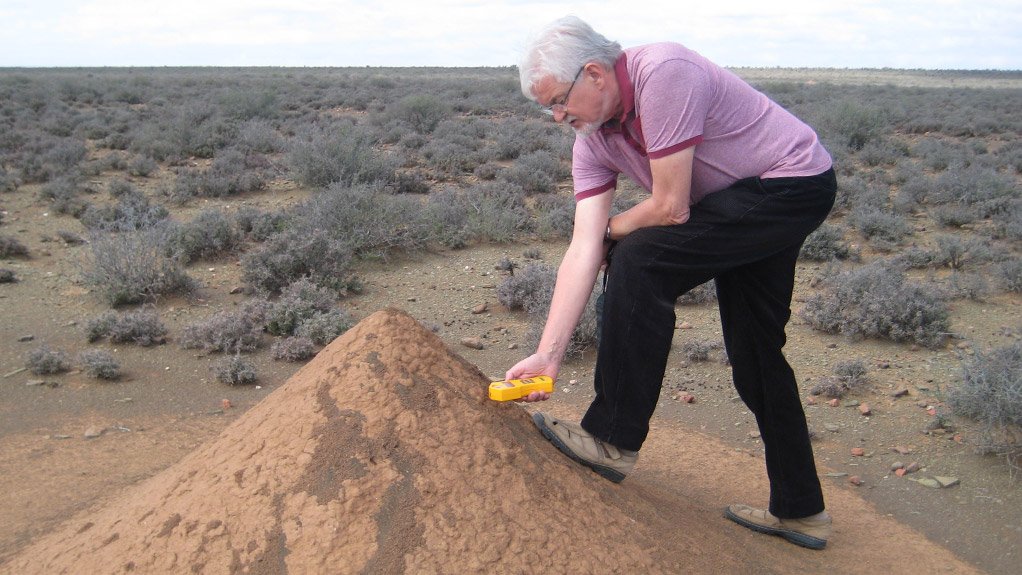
point(518, 388)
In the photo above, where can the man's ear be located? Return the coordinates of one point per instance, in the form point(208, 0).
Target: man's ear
point(597, 73)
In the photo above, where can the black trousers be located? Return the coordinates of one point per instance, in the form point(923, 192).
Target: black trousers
point(747, 238)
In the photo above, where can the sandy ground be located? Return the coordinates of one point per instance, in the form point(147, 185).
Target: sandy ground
point(383, 455)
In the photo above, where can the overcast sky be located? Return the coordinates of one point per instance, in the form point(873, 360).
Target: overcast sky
point(934, 34)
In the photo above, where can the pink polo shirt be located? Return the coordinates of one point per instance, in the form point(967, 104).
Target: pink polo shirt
point(674, 98)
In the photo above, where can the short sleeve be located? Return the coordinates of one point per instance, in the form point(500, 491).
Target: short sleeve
point(672, 101)
point(590, 176)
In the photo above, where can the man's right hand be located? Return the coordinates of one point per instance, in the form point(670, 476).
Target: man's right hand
point(532, 366)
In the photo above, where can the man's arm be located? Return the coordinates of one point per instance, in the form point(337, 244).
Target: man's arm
point(575, 279)
point(669, 202)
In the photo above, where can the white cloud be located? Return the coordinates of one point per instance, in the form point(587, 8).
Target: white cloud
point(853, 33)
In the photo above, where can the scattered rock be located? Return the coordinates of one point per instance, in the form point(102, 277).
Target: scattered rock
point(928, 482)
point(25, 338)
point(897, 465)
point(946, 481)
point(833, 428)
point(481, 308)
point(93, 432)
point(855, 480)
point(35, 382)
point(858, 451)
point(900, 392)
point(225, 404)
point(810, 400)
point(837, 474)
point(472, 342)
point(60, 436)
point(901, 450)
point(834, 402)
point(754, 434)
point(684, 325)
point(684, 397)
point(912, 467)
point(899, 472)
point(865, 410)
point(237, 290)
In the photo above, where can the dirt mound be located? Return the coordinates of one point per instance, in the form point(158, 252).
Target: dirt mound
point(382, 455)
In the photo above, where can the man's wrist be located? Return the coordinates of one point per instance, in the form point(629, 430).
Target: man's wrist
point(606, 234)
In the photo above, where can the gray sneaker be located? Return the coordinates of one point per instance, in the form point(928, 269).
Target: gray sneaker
point(609, 461)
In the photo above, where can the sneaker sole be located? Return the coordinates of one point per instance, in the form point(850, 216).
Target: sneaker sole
point(800, 539)
point(605, 472)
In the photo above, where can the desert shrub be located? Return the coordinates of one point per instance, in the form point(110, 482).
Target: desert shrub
point(554, 215)
point(296, 253)
point(211, 233)
point(953, 216)
point(322, 327)
point(535, 172)
point(258, 225)
point(699, 350)
point(528, 290)
point(487, 171)
point(990, 393)
point(11, 247)
point(880, 151)
point(231, 173)
point(1010, 272)
point(8, 181)
point(847, 376)
point(341, 154)
point(883, 228)
point(851, 124)
point(410, 182)
point(45, 360)
point(489, 211)
point(132, 211)
point(827, 243)
point(961, 285)
point(703, 293)
point(935, 154)
point(423, 112)
point(293, 348)
point(1008, 224)
point(70, 238)
point(957, 252)
point(99, 364)
point(133, 267)
point(228, 331)
point(259, 136)
point(235, 370)
point(142, 166)
point(877, 300)
point(142, 327)
point(7, 276)
point(298, 302)
point(366, 219)
point(982, 189)
point(65, 155)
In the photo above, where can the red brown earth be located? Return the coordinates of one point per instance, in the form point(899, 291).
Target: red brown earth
point(383, 455)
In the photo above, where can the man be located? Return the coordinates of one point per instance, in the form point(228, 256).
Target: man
point(736, 184)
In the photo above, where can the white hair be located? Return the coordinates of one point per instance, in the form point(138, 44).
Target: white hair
point(560, 49)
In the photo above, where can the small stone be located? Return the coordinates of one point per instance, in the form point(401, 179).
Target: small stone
point(60, 436)
point(899, 472)
point(897, 465)
point(754, 434)
point(35, 382)
point(225, 404)
point(481, 308)
point(851, 403)
point(93, 432)
point(684, 325)
point(837, 474)
point(865, 410)
point(25, 338)
point(833, 428)
point(472, 342)
point(946, 481)
point(929, 482)
point(901, 450)
point(912, 467)
point(684, 397)
point(834, 402)
point(855, 480)
point(512, 346)
point(900, 392)
point(237, 290)
point(858, 452)
point(810, 400)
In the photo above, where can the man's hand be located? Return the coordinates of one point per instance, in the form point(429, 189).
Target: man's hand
point(532, 366)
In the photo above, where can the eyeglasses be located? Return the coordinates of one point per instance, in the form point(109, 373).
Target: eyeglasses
point(562, 106)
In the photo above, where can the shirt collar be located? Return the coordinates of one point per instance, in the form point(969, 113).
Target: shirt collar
point(626, 92)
